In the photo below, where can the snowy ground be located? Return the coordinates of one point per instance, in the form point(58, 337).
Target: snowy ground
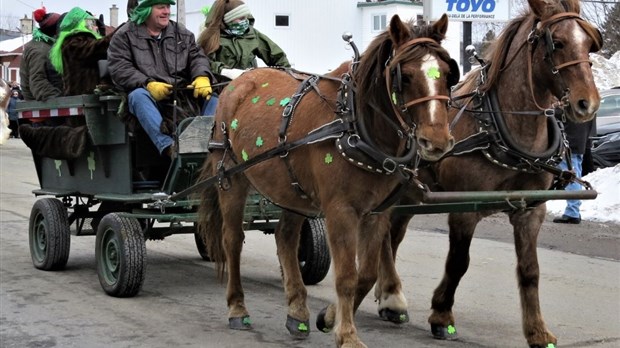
point(606, 206)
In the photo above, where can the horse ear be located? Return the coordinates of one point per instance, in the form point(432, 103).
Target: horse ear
point(441, 27)
point(455, 73)
point(540, 7)
point(399, 32)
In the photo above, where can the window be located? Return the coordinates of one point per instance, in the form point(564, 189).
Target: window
point(282, 21)
point(379, 22)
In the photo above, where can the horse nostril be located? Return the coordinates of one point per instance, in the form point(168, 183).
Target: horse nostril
point(583, 104)
point(424, 143)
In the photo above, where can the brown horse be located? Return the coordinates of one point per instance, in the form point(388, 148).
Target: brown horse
point(5, 97)
point(379, 110)
point(539, 63)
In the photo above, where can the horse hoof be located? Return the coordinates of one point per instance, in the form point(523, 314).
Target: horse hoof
point(297, 329)
point(394, 316)
point(441, 332)
point(548, 345)
point(240, 323)
point(320, 321)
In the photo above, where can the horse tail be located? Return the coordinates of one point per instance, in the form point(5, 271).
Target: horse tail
point(5, 97)
point(210, 221)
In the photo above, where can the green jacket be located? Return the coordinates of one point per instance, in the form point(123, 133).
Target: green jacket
point(38, 79)
point(239, 52)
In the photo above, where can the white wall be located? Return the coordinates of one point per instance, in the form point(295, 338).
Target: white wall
point(313, 41)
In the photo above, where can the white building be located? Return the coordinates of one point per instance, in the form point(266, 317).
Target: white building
point(310, 32)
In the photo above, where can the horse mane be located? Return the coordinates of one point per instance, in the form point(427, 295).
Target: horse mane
point(498, 50)
point(369, 75)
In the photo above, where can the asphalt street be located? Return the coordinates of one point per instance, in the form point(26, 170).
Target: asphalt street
point(182, 304)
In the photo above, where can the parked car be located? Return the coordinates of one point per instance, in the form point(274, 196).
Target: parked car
point(608, 114)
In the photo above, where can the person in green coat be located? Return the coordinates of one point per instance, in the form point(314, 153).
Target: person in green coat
point(39, 80)
point(232, 43)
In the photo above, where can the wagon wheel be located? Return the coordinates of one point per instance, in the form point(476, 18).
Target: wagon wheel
point(49, 234)
point(121, 255)
point(313, 254)
point(202, 247)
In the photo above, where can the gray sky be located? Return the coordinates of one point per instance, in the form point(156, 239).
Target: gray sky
point(12, 10)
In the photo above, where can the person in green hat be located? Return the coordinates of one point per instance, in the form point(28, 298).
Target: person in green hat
point(149, 57)
point(39, 80)
point(77, 51)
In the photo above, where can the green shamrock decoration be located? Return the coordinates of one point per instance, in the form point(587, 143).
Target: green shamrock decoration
point(433, 73)
point(394, 100)
point(302, 327)
point(234, 124)
point(451, 329)
point(285, 101)
point(259, 142)
point(550, 345)
point(271, 101)
point(403, 318)
point(255, 99)
point(244, 155)
point(247, 321)
point(265, 84)
point(328, 158)
point(231, 88)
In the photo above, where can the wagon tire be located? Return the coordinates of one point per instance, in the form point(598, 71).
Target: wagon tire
point(49, 234)
point(202, 247)
point(120, 251)
point(313, 254)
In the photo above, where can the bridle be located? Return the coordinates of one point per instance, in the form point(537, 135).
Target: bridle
point(393, 81)
point(542, 29)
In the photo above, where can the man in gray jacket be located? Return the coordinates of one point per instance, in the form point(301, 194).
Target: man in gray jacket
point(151, 55)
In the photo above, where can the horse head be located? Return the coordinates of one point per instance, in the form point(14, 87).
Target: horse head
point(558, 65)
point(412, 77)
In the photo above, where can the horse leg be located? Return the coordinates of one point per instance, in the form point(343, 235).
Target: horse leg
point(287, 240)
point(342, 227)
point(462, 226)
point(232, 204)
point(392, 305)
point(526, 227)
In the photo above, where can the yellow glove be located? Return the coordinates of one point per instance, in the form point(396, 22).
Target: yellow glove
point(202, 87)
point(159, 90)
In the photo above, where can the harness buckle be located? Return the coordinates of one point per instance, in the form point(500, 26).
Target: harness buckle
point(389, 165)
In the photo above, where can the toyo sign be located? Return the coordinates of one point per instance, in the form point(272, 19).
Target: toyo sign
point(468, 10)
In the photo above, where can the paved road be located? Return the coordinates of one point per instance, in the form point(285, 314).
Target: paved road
point(182, 304)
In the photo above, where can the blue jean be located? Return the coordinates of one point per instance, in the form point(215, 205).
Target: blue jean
point(572, 205)
point(210, 106)
point(144, 107)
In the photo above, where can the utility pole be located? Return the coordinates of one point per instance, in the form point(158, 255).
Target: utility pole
point(181, 11)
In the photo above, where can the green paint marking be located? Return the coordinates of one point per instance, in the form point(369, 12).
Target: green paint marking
point(302, 327)
point(451, 330)
point(265, 84)
point(550, 345)
point(231, 88)
point(255, 99)
point(270, 102)
point(247, 321)
point(328, 158)
point(91, 164)
point(57, 164)
point(259, 142)
point(234, 124)
point(285, 101)
point(394, 100)
point(433, 73)
point(244, 155)
point(403, 318)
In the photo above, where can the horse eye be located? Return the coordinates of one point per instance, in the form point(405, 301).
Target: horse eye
point(405, 80)
point(558, 45)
